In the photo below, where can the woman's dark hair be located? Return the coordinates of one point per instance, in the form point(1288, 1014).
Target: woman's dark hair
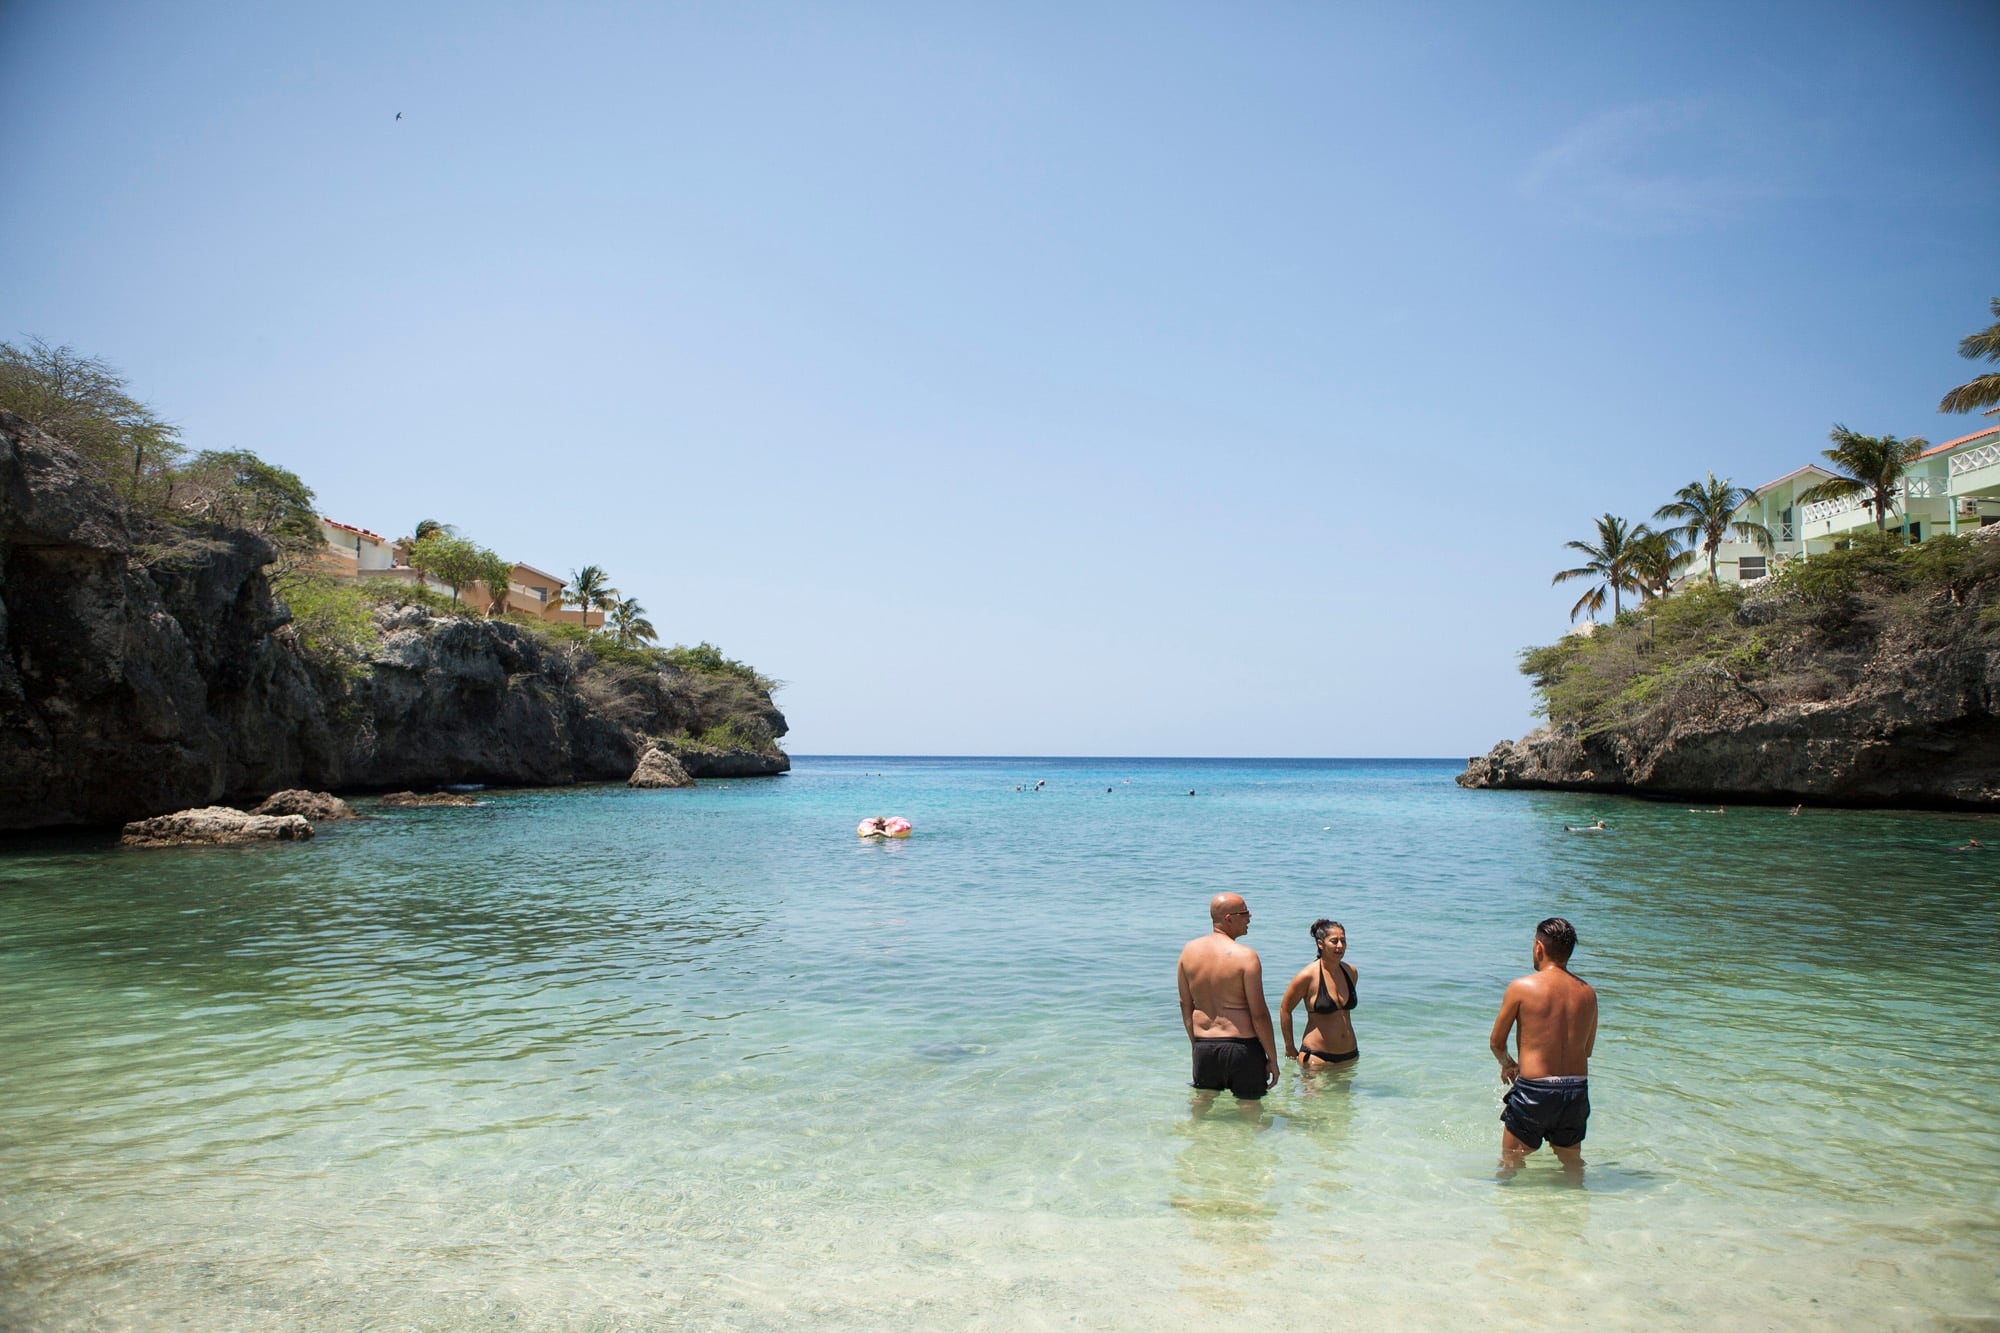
point(1322, 926)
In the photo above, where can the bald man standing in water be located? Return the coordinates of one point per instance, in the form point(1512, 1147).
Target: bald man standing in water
point(1548, 1088)
point(1222, 1006)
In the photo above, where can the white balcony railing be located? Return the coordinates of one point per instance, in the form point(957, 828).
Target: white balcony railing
point(1984, 456)
point(1911, 488)
point(1819, 511)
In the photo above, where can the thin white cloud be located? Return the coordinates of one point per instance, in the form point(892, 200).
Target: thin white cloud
point(1654, 166)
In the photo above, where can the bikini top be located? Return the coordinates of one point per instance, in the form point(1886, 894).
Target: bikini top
point(1330, 1004)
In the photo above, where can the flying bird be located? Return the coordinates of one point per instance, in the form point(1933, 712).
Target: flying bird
point(399, 115)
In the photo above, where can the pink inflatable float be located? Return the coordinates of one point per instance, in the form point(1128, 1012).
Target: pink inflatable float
point(893, 826)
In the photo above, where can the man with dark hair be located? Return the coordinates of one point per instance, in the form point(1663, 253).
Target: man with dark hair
point(1222, 1006)
point(1548, 1093)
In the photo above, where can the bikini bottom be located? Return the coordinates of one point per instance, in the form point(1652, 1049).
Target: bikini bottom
point(1326, 1059)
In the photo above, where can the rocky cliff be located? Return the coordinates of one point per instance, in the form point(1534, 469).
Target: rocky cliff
point(148, 668)
point(1871, 680)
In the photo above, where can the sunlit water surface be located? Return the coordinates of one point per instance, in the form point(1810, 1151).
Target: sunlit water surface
point(604, 1058)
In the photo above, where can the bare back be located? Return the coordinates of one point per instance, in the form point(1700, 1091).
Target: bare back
point(1556, 1012)
point(1218, 978)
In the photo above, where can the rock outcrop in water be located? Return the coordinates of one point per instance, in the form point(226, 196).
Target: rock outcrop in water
point(658, 768)
point(215, 826)
point(1872, 678)
point(148, 668)
point(316, 806)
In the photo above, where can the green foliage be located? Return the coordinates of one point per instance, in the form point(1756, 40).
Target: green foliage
point(400, 592)
point(589, 589)
point(706, 658)
point(1981, 390)
point(237, 489)
point(495, 574)
point(335, 620)
point(1871, 466)
point(458, 562)
point(1704, 513)
point(629, 624)
point(1613, 566)
point(737, 733)
point(1712, 646)
point(82, 401)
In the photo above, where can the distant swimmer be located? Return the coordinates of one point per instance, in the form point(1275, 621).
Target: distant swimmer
point(1548, 1088)
point(1598, 827)
point(1222, 1006)
point(1971, 845)
point(1798, 807)
point(1190, 791)
point(1719, 810)
point(1043, 783)
point(1107, 791)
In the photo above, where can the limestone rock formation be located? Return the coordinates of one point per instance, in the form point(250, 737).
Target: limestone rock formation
point(214, 826)
point(147, 668)
point(658, 768)
point(428, 798)
point(316, 806)
point(1893, 701)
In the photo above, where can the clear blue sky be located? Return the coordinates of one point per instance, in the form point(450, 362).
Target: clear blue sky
point(1109, 379)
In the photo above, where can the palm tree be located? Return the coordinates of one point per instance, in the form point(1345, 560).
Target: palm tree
point(1702, 512)
point(1982, 390)
point(1613, 563)
point(589, 590)
point(629, 623)
point(1658, 561)
point(1870, 465)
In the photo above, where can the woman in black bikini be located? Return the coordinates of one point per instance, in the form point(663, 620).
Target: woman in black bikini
point(1327, 989)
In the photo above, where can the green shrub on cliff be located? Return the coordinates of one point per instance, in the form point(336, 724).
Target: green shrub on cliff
point(1713, 649)
point(81, 400)
point(706, 658)
point(335, 621)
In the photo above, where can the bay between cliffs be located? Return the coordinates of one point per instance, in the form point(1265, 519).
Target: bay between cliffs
point(612, 1058)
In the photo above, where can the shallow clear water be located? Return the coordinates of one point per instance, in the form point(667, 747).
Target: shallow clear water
point(606, 1058)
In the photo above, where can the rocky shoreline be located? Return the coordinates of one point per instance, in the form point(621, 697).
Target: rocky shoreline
point(149, 669)
point(1885, 693)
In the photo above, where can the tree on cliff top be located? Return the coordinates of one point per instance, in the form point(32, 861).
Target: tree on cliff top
point(1982, 390)
point(236, 488)
point(1868, 465)
point(81, 400)
point(629, 624)
point(1614, 563)
point(1703, 513)
point(457, 562)
point(589, 589)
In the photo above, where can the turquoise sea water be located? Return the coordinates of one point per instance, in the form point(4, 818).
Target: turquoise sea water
point(601, 1058)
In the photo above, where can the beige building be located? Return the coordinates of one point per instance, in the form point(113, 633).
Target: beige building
point(357, 553)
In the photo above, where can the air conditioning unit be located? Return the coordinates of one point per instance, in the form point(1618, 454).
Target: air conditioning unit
point(1968, 507)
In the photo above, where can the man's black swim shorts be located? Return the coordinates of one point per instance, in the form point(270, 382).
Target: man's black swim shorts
point(1555, 1109)
point(1234, 1063)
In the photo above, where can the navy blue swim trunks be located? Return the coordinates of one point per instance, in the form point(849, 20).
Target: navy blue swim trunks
point(1555, 1109)
point(1235, 1063)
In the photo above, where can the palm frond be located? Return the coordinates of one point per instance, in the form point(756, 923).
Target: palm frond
point(1972, 395)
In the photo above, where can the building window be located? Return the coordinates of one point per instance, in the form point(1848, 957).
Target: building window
point(1750, 567)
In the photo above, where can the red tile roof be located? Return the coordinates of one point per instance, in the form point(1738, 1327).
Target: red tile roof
point(349, 527)
point(1963, 439)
